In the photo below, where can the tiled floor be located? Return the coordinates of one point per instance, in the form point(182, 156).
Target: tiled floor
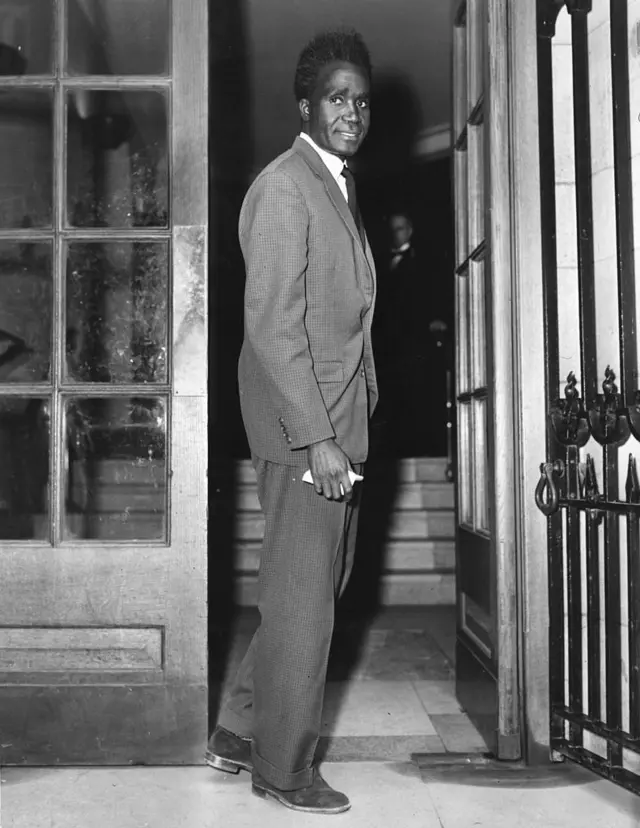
point(390, 694)
point(390, 689)
point(382, 795)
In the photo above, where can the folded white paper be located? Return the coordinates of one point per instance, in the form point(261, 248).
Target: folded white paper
point(353, 477)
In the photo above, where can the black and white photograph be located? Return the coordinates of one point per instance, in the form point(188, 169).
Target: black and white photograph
point(319, 413)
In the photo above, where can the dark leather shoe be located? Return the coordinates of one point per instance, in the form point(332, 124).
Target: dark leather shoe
point(228, 752)
point(318, 798)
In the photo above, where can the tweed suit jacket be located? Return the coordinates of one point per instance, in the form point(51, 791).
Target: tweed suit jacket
point(306, 371)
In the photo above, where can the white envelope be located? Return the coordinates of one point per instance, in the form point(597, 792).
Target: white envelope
point(353, 477)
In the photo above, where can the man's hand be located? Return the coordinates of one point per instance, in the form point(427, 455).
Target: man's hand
point(329, 467)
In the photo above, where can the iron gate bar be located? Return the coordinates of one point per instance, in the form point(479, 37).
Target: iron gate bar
point(574, 598)
point(606, 418)
point(619, 775)
point(612, 596)
point(633, 599)
point(548, 217)
point(624, 199)
point(598, 728)
point(547, 14)
point(593, 614)
point(594, 761)
point(584, 203)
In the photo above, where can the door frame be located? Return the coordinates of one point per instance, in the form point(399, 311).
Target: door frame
point(504, 288)
point(528, 381)
point(502, 433)
point(518, 434)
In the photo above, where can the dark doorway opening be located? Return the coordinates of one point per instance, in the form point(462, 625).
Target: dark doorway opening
point(396, 622)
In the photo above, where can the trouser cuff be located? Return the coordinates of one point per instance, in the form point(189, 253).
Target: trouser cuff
point(281, 779)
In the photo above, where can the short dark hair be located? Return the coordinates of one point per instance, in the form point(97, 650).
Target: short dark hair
point(400, 210)
point(344, 45)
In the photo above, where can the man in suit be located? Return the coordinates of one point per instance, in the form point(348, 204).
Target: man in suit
point(307, 389)
point(410, 333)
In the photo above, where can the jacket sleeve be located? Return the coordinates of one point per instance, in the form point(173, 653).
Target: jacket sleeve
point(274, 225)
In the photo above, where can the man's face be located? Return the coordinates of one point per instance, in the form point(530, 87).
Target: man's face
point(337, 117)
point(401, 230)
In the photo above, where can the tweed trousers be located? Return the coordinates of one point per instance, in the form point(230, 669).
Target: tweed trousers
point(307, 557)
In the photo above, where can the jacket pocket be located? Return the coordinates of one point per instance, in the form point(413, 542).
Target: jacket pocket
point(330, 371)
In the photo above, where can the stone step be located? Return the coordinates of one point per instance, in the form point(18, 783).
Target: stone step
point(121, 470)
point(425, 589)
point(117, 526)
point(112, 496)
point(420, 495)
point(425, 469)
point(407, 525)
point(410, 470)
point(408, 557)
point(116, 497)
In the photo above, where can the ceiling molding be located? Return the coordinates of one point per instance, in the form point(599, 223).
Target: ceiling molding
point(433, 141)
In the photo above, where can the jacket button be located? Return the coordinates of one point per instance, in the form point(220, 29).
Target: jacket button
point(289, 440)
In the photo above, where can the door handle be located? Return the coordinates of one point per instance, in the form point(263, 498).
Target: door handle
point(547, 481)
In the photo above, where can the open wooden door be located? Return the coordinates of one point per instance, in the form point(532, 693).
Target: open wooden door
point(103, 236)
point(486, 653)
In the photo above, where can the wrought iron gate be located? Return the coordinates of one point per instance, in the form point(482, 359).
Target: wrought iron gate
point(589, 485)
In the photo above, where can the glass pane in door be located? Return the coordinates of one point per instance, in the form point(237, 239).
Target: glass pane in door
point(478, 327)
point(24, 470)
point(465, 464)
point(118, 37)
point(115, 468)
point(117, 312)
point(26, 158)
point(26, 311)
point(26, 37)
point(475, 194)
point(117, 158)
point(480, 466)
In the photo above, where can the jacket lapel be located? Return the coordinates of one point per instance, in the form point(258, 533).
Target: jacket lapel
point(338, 200)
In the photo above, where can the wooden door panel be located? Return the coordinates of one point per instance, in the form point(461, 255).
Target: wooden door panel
point(474, 567)
point(116, 724)
point(103, 620)
point(111, 636)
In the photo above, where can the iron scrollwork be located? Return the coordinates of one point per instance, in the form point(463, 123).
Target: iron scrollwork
point(579, 6)
point(548, 11)
point(608, 416)
point(633, 415)
point(568, 417)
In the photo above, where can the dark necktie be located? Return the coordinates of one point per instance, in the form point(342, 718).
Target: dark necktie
point(352, 200)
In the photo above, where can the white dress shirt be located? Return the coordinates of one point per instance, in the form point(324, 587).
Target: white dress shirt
point(334, 164)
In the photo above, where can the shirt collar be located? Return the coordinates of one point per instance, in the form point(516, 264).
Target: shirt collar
point(334, 164)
